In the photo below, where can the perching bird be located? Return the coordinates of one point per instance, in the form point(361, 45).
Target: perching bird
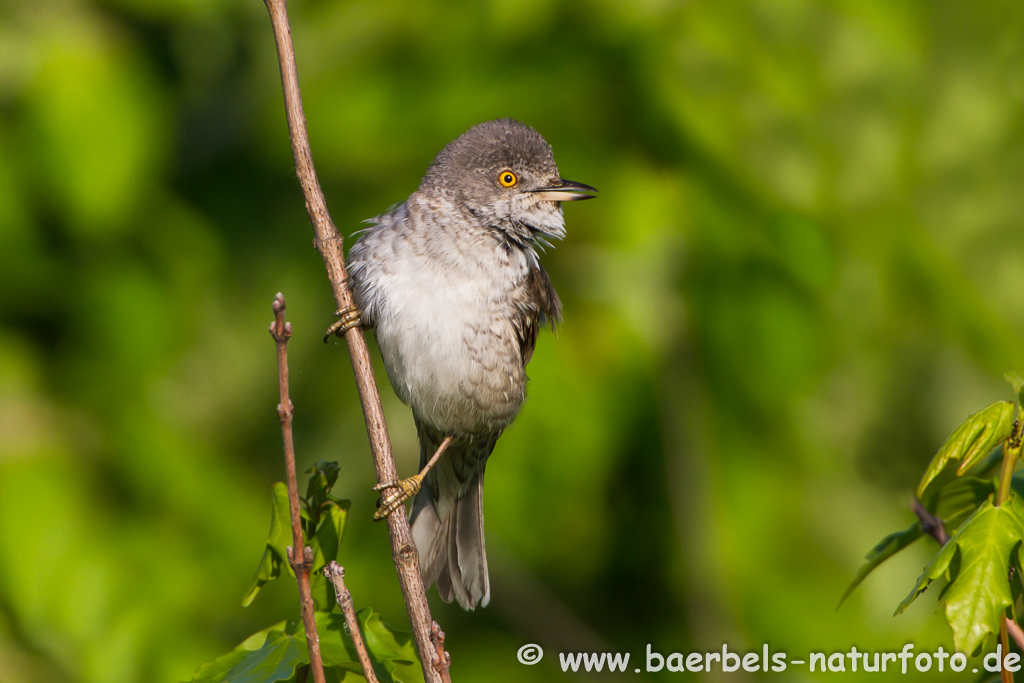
point(451, 283)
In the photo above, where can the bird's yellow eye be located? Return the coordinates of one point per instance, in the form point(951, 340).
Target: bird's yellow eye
point(507, 178)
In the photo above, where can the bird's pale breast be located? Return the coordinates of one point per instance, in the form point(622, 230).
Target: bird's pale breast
point(441, 296)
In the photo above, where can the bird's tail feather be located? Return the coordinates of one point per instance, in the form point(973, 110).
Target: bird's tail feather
point(451, 548)
point(429, 535)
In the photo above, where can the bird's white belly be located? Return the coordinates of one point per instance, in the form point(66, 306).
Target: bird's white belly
point(449, 349)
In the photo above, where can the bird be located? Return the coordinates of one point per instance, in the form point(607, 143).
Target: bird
point(451, 283)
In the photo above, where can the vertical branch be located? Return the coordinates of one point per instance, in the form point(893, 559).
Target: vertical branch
point(1011, 452)
point(329, 243)
point(1005, 674)
point(336, 573)
point(300, 557)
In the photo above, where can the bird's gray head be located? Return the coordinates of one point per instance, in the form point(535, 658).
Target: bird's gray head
point(505, 174)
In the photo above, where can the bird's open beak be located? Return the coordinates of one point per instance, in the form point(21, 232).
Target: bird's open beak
point(565, 191)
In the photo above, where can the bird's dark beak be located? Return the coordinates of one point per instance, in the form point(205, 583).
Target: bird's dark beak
point(565, 191)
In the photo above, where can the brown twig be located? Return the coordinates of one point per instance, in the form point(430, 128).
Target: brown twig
point(1015, 632)
point(299, 556)
point(930, 524)
point(934, 527)
point(329, 243)
point(336, 573)
point(442, 660)
point(1004, 640)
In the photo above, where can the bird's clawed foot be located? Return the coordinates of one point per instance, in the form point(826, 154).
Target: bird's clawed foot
point(348, 318)
point(404, 489)
point(397, 493)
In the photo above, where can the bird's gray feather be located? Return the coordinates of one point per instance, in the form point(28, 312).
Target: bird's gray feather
point(451, 283)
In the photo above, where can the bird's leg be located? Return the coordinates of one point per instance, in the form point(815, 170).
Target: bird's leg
point(404, 489)
point(348, 318)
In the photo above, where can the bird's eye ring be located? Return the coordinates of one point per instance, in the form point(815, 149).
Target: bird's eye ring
point(507, 178)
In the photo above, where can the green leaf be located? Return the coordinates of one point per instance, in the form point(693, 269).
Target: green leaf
point(393, 653)
point(270, 655)
point(886, 548)
point(1016, 587)
point(337, 674)
point(953, 503)
point(218, 668)
point(1016, 380)
point(278, 653)
point(323, 518)
point(276, 553)
point(322, 477)
point(395, 650)
point(989, 465)
point(325, 548)
point(970, 442)
point(976, 561)
point(936, 569)
point(282, 653)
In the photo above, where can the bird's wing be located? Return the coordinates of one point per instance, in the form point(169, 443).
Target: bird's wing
point(540, 306)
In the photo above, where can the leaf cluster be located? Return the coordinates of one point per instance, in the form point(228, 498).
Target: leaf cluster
point(980, 563)
point(323, 523)
point(969, 444)
point(279, 652)
point(976, 563)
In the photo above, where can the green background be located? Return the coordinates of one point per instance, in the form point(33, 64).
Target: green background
point(804, 269)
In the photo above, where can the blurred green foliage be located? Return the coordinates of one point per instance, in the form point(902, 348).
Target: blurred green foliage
point(805, 268)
